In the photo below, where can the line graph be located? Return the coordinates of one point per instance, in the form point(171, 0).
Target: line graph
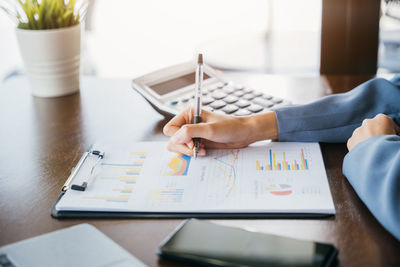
point(227, 165)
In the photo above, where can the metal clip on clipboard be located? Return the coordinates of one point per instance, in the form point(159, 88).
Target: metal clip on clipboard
point(83, 186)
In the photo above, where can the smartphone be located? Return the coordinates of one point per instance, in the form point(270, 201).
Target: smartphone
point(209, 244)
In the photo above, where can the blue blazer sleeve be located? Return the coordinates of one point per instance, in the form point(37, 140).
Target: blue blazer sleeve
point(334, 118)
point(373, 169)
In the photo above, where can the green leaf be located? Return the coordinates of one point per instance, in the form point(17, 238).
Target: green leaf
point(46, 14)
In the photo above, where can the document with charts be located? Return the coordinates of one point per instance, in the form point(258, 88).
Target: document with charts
point(267, 177)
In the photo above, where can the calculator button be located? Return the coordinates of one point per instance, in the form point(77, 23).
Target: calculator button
point(206, 100)
point(263, 102)
point(268, 97)
point(230, 99)
point(242, 112)
point(218, 95)
point(248, 96)
point(220, 85)
point(277, 100)
point(257, 94)
point(247, 90)
point(230, 109)
point(218, 104)
point(212, 88)
point(242, 103)
point(255, 108)
point(238, 87)
point(173, 102)
point(282, 104)
point(238, 93)
point(219, 112)
point(228, 90)
point(204, 93)
point(208, 108)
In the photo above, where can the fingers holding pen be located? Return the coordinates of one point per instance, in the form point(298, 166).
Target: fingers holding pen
point(184, 118)
point(179, 148)
point(182, 140)
point(189, 131)
point(184, 148)
point(174, 125)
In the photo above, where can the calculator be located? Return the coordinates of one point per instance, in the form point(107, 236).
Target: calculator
point(171, 90)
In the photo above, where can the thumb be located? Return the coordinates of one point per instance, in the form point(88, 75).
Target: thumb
point(189, 131)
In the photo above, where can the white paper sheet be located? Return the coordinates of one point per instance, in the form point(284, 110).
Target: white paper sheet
point(265, 177)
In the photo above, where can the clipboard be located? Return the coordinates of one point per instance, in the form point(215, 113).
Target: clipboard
point(98, 156)
point(57, 214)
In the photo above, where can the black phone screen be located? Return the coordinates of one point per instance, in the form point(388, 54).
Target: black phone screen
point(213, 244)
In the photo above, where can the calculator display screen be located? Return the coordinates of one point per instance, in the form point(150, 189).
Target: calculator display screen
point(174, 84)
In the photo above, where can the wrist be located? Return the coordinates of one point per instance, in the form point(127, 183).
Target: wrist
point(262, 126)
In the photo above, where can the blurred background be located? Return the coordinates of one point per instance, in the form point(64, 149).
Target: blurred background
point(127, 38)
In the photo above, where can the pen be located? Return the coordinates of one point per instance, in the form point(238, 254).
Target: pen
point(197, 101)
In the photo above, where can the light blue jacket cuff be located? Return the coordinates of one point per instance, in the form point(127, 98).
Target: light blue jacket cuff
point(373, 169)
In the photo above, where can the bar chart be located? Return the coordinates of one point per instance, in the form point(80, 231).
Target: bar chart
point(283, 161)
point(167, 195)
point(121, 178)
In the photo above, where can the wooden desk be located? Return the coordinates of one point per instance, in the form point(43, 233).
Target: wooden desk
point(41, 139)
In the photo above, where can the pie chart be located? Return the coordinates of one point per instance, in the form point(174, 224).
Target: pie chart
point(279, 189)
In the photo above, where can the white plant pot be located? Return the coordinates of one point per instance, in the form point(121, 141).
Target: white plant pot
point(51, 59)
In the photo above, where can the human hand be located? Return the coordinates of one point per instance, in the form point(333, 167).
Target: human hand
point(218, 131)
point(380, 125)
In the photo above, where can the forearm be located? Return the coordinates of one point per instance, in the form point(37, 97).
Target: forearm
point(334, 118)
point(261, 127)
point(330, 119)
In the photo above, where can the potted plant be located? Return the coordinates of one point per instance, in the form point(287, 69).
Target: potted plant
point(49, 37)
